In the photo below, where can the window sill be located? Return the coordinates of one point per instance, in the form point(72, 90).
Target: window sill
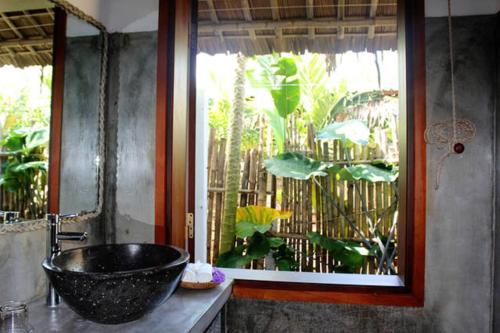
point(316, 278)
point(323, 288)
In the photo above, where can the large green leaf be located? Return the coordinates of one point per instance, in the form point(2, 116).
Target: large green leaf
point(247, 228)
point(296, 165)
point(286, 97)
point(354, 131)
point(350, 254)
point(284, 257)
point(278, 125)
point(37, 138)
point(276, 242)
point(366, 172)
point(285, 67)
point(258, 246)
point(233, 258)
point(251, 219)
point(36, 165)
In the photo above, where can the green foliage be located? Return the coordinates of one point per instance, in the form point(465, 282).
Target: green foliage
point(349, 256)
point(251, 219)
point(286, 96)
point(252, 227)
point(27, 159)
point(354, 99)
point(353, 131)
point(318, 95)
point(367, 172)
point(296, 165)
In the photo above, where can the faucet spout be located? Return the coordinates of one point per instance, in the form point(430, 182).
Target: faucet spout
point(54, 236)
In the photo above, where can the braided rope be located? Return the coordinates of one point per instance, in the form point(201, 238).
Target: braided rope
point(33, 225)
point(461, 131)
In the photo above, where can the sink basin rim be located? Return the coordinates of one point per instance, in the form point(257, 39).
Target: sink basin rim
point(184, 257)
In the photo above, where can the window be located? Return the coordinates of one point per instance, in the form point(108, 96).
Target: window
point(323, 152)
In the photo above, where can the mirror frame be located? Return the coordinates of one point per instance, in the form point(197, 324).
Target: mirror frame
point(61, 10)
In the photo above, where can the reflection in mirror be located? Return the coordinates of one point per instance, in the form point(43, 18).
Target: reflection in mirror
point(80, 127)
point(26, 30)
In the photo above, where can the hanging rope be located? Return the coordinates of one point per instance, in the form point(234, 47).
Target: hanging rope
point(452, 136)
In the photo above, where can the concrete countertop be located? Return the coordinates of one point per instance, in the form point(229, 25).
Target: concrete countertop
point(185, 311)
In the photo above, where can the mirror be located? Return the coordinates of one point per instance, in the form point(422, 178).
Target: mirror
point(80, 123)
point(50, 110)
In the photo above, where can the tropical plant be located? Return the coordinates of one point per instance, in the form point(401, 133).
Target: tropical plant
point(348, 255)
point(253, 228)
point(25, 169)
point(319, 93)
point(233, 160)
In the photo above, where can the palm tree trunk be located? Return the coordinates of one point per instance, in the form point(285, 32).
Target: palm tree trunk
point(233, 160)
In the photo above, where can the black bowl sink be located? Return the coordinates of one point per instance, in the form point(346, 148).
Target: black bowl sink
point(112, 284)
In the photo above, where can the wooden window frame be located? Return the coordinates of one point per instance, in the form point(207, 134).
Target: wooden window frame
point(175, 158)
point(56, 114)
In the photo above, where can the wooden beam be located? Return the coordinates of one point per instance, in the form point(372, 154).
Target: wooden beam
point(25, 42)
point(11, 53)
point(275, 11)
point(310, 16)
point(340, 18)
point(33, 22)
point(294, 24)
point(11, 26)
point(212, 11)
point(373, 13)
point(322, 35)
point(245, 6)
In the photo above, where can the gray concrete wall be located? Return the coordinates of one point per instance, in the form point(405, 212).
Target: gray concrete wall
point(132, 102)
point(460, 215)
point(80, 131)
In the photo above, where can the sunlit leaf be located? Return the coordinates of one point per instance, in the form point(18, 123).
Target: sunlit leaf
point(287, 97)
point(251, 219)
point(367, 172)
point(354, 131)
point(297, 166)
point(285, 67)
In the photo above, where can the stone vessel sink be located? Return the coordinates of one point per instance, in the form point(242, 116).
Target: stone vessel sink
point(117, 283)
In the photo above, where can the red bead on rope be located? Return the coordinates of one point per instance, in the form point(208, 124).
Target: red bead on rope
point(458, 148)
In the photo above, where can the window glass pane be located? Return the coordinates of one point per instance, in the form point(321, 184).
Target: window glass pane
point(301, 110)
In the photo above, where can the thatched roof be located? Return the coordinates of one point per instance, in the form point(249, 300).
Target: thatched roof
point(324, 26)
point(26, 37)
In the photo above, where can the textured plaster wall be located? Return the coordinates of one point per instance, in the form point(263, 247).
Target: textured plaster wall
point(460, 216)
point(131, 131)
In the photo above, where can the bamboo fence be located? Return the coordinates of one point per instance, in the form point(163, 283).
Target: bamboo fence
point(28, 207)
point(312, 212)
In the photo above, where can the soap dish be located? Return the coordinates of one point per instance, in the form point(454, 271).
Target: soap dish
point(199, 286)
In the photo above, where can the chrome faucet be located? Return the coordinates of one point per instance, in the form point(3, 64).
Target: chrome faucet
point(54, 236)
point(9, 217)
